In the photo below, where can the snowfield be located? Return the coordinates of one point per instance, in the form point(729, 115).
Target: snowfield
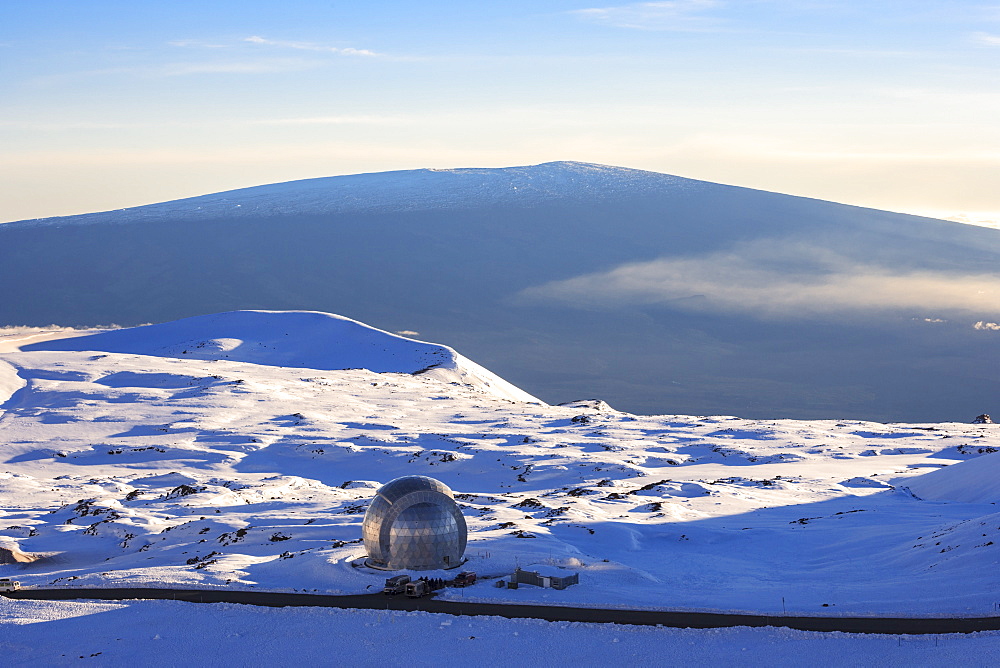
point(240, 450)
point(299, 339)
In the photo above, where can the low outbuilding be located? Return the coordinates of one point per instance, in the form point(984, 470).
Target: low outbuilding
point(546, 576)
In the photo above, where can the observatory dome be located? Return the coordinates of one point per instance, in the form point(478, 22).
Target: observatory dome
point(414, 523)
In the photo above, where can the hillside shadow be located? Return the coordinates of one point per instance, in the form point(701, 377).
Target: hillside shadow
point(873, 554)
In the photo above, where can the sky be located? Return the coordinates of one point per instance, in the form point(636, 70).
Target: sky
point(886, 104)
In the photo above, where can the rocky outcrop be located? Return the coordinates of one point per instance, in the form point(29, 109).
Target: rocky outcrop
point(9, 555)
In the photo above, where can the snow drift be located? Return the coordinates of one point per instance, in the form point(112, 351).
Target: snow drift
point(298, 339)
point(973, 481)
point(10, 382)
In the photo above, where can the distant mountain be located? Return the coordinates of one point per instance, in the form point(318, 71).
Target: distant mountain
point(656, 293)
point(394, 192)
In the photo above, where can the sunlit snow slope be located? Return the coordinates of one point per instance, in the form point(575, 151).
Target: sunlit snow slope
point(292, 339)
point(139, 458)
point(976, 481)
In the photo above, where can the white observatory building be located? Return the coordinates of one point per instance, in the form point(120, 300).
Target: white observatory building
point(414, 524)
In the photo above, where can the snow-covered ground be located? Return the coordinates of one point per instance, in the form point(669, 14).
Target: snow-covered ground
point(241, 450)
point(169, 633)
point(299, 339)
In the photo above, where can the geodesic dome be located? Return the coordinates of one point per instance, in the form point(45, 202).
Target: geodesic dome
point(414, 523)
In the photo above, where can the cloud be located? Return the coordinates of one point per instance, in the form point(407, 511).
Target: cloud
point(989, 219)
point(221, 66)
point(197, 44)
point(267, 66)
point(784, 282)
point(63, 126)
point(309, 46)
point(334, 120)
point(986, 39)
point(672, 15)
point(987, 326)
point(856, 53)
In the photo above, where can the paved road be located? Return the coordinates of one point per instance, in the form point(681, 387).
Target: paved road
point(696, 620)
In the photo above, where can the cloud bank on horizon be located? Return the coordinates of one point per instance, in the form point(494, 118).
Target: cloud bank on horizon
point(791, 281)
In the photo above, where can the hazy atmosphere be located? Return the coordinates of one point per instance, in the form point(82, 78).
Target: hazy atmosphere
point(884, 104)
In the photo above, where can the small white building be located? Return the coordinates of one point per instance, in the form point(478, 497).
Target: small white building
point(545, 576)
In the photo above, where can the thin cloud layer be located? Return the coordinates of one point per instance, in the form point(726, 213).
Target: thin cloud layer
point(196, 44)
point(986, 39)
point(267, 66)
point(679, 15)
point(310, 46)
point(334, 120)
point(793, 282)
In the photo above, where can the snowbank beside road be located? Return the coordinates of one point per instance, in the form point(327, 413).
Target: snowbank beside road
point(168, 633)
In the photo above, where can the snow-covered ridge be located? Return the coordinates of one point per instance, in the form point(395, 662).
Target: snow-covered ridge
point(405, 190)
point(10, 382)
point(973, 481)
point(296, 339)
